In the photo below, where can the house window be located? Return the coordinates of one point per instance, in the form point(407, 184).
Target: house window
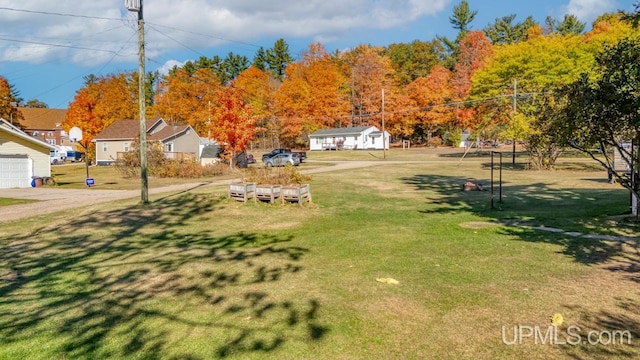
point(126, 146)
point(319, 140)
point(51, 141)
point(104, 147)
point(49, 134)
point(168, 147)
point(373, 140)
point(35, 133)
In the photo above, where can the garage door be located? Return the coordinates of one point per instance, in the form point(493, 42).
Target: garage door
point(15, 171)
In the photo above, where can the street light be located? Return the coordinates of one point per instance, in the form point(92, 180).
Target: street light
point(136, 6)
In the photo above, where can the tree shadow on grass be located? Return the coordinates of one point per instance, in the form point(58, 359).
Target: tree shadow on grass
point(604, 334)
point(528, 207)
point(150, 282)
point(585, 211)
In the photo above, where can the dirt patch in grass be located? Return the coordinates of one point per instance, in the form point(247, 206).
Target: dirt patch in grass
point(477, 224)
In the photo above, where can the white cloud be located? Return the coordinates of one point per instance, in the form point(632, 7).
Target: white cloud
point(170, 64)
point(184, 25)
point(588, 10)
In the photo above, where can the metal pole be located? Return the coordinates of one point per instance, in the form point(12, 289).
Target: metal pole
point(492, 179)
point(144, 193)
point(384, 138)
point(500, 180)
point(515, 108)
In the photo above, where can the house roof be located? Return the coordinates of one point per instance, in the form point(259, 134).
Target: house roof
point(209, 152)
point(342, 131)
point(5, 126)
point(42, 118)
point(124, 129)
point(168, 132)
point(130, 129)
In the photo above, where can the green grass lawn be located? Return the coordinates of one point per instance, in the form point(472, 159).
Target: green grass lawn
point(198, 276)
point(10, 201)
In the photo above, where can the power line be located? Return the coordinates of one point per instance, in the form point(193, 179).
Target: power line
point(58, 45)
point(60, 14)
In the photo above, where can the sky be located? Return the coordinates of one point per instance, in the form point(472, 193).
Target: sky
point(48, 47)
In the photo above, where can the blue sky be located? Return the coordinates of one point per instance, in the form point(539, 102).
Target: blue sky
point(47, 47)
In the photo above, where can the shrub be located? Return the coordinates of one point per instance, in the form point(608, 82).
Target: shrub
point(285, 176)
point(435, 141)
point(157, 165)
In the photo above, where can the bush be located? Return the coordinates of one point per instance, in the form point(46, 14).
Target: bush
point(157, 165)
point(285, 176)
point(435, 141)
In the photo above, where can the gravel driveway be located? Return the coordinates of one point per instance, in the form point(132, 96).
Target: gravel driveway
point(56, 199)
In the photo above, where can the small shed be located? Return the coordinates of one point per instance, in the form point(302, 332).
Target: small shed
point(349, 138)
point(21, 157)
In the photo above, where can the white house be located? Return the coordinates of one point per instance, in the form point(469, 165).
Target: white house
point(355, 138)
point(21, 157)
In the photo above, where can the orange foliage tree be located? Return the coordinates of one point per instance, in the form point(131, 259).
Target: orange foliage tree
point(432, 95)
point(475, 51)
point(259, 88)
point(187, 98)
point(313, 95)
point(102, 101)
point(233, 122)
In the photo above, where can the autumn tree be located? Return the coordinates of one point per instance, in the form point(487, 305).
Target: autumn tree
point(233, 122)
point(312, 96)
point(99, 103)
point(259, 88)
point(186, 98)
point(475, 52)
point(413, 60)
point(372, 71)
point(9, 100)
point(525, 70)
point(432, 95)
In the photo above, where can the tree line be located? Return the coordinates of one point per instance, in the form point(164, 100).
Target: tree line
point(498, 82)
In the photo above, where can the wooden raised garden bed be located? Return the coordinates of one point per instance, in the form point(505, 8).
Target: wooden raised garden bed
point(268, 192)
point(242, 191)
point(297, 194)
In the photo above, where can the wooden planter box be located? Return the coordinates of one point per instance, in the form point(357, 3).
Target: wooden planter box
point(268, 192)
point(296, 193)
point(242, 191)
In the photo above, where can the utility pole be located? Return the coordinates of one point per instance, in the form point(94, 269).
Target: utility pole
point(515, 104)
point(384, 138)
point(136, 6)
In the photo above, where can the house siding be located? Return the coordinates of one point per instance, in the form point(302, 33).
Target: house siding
point(187, 143)
point(361, 139)
point(13, 145)
point(113, 148)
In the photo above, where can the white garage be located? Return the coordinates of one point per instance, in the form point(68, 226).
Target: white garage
point(21, 157)
point(15, 171)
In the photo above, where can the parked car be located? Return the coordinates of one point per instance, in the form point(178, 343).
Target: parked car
point(282, 160)
point(301, 154)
